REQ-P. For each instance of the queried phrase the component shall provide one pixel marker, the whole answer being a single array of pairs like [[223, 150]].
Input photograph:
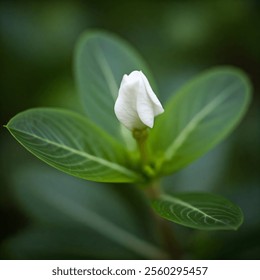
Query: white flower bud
[[137, 104]]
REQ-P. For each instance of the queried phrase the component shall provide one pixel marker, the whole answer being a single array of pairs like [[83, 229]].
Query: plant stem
[[170, 242], [140, 136], [153, 192]]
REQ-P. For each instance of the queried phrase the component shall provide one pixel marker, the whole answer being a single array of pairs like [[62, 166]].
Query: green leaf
[[101, 60], [198, 117], [48, 243], [115, 221], [72, 144], [199, 210]]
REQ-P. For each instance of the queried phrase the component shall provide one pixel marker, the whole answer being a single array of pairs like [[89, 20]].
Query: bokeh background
[[178, 39]]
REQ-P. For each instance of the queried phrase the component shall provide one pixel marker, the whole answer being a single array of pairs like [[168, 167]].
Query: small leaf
[[72, 144], [200, 211], [198, 117], [101, 60]]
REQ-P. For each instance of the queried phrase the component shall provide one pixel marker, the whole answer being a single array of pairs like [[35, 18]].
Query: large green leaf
[[198, 117], [72, 144], [115, 221], [101, 60], [41, 242], [199, 210]]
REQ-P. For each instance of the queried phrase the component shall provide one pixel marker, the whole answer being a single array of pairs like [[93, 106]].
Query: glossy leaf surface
[[199, 210], [72, 144], [198, 117]]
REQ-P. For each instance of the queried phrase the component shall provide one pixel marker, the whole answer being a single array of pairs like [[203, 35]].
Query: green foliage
[[72, 144], [198, 117], [98, 221], [97, 148], [199, 210], [101, 60]]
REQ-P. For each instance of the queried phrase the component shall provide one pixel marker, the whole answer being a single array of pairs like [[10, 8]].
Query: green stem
[[152, 190], [140, 136], [170, 242]]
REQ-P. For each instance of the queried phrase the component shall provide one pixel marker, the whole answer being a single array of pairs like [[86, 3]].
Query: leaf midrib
[[101, 161], [190, 206], [193, 123], [107, 72]]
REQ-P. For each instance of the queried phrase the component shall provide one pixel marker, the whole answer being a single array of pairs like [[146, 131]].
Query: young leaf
[[72, 144], [198, 117], [101, 60], [199, 210]]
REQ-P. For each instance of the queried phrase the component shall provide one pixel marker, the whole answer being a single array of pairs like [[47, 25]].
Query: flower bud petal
[[137, 104]]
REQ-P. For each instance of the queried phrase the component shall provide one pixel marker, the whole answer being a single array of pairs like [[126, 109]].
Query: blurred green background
[[46, 214]]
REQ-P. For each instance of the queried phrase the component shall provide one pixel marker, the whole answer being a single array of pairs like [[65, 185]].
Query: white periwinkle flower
[[137, 104]]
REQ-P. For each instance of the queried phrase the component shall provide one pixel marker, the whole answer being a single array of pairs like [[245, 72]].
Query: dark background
[[178, 39]]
